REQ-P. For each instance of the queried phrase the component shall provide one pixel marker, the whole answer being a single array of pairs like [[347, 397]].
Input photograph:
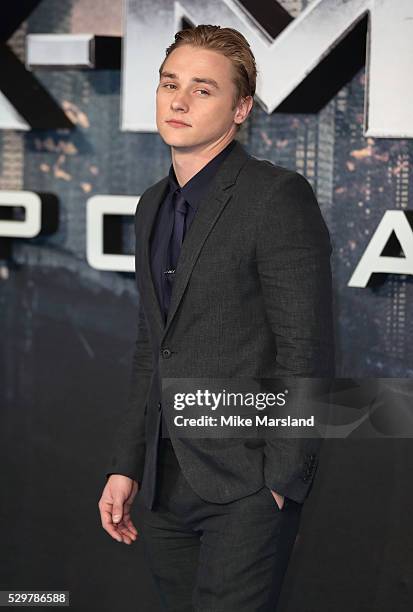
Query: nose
[[179, 101]]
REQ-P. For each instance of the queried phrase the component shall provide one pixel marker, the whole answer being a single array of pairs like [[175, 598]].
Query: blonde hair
[[230, 43]]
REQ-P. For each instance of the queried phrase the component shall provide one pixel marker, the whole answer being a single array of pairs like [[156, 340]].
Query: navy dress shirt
[[192, 191]]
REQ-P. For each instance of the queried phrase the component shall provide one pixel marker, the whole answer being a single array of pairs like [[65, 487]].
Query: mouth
[[176, 123]]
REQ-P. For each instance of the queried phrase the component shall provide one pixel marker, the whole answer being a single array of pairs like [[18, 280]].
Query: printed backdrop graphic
[[67, 332]]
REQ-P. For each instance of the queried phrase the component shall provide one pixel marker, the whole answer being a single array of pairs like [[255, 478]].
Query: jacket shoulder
[[151, 193], [267, 170], [155, 188], [271, 179]]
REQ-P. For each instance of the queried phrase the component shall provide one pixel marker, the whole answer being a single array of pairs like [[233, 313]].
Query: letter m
[[285, 61]]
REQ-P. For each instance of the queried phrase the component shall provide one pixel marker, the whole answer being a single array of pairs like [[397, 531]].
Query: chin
[[177, 140]]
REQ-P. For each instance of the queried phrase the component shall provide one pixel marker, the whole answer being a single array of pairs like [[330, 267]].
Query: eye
[[204, 92]]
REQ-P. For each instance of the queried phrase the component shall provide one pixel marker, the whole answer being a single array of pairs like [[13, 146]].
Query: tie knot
[[181, 205]]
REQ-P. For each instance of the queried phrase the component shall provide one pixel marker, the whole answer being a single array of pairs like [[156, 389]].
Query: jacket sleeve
[[293, 262], [128, 452]]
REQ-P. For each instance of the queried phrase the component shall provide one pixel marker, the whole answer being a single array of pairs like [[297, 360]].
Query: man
[[233, 273]]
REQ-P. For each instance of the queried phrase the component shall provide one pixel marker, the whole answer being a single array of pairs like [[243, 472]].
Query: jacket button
[[159, 405], [166, 353]]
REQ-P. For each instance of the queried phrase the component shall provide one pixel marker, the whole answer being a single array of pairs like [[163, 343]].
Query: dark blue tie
[[176, 240]]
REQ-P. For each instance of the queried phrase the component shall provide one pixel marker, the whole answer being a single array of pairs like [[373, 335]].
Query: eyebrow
[[208, 81]]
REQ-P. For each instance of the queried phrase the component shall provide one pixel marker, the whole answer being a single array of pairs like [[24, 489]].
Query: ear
[[244, 107]]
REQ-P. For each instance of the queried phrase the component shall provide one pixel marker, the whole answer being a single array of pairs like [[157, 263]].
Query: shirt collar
[[195, 187]]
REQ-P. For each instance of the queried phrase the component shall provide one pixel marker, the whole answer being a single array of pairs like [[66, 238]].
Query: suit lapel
[[210, 207]]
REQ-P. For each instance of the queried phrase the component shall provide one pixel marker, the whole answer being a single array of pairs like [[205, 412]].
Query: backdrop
[[67, 328]]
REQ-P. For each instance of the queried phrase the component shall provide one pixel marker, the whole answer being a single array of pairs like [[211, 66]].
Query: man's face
[[205, 105]]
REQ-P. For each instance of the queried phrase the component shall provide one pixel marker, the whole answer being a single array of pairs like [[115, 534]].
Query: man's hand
[[278, 498], [115, 505]]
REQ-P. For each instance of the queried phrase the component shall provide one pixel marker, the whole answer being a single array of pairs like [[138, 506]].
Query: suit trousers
[[213, 557]]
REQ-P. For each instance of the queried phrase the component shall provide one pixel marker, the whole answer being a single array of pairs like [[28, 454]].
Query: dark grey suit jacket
[[252, 297]]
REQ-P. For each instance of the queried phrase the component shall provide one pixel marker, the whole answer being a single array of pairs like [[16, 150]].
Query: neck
[[187, 161]]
